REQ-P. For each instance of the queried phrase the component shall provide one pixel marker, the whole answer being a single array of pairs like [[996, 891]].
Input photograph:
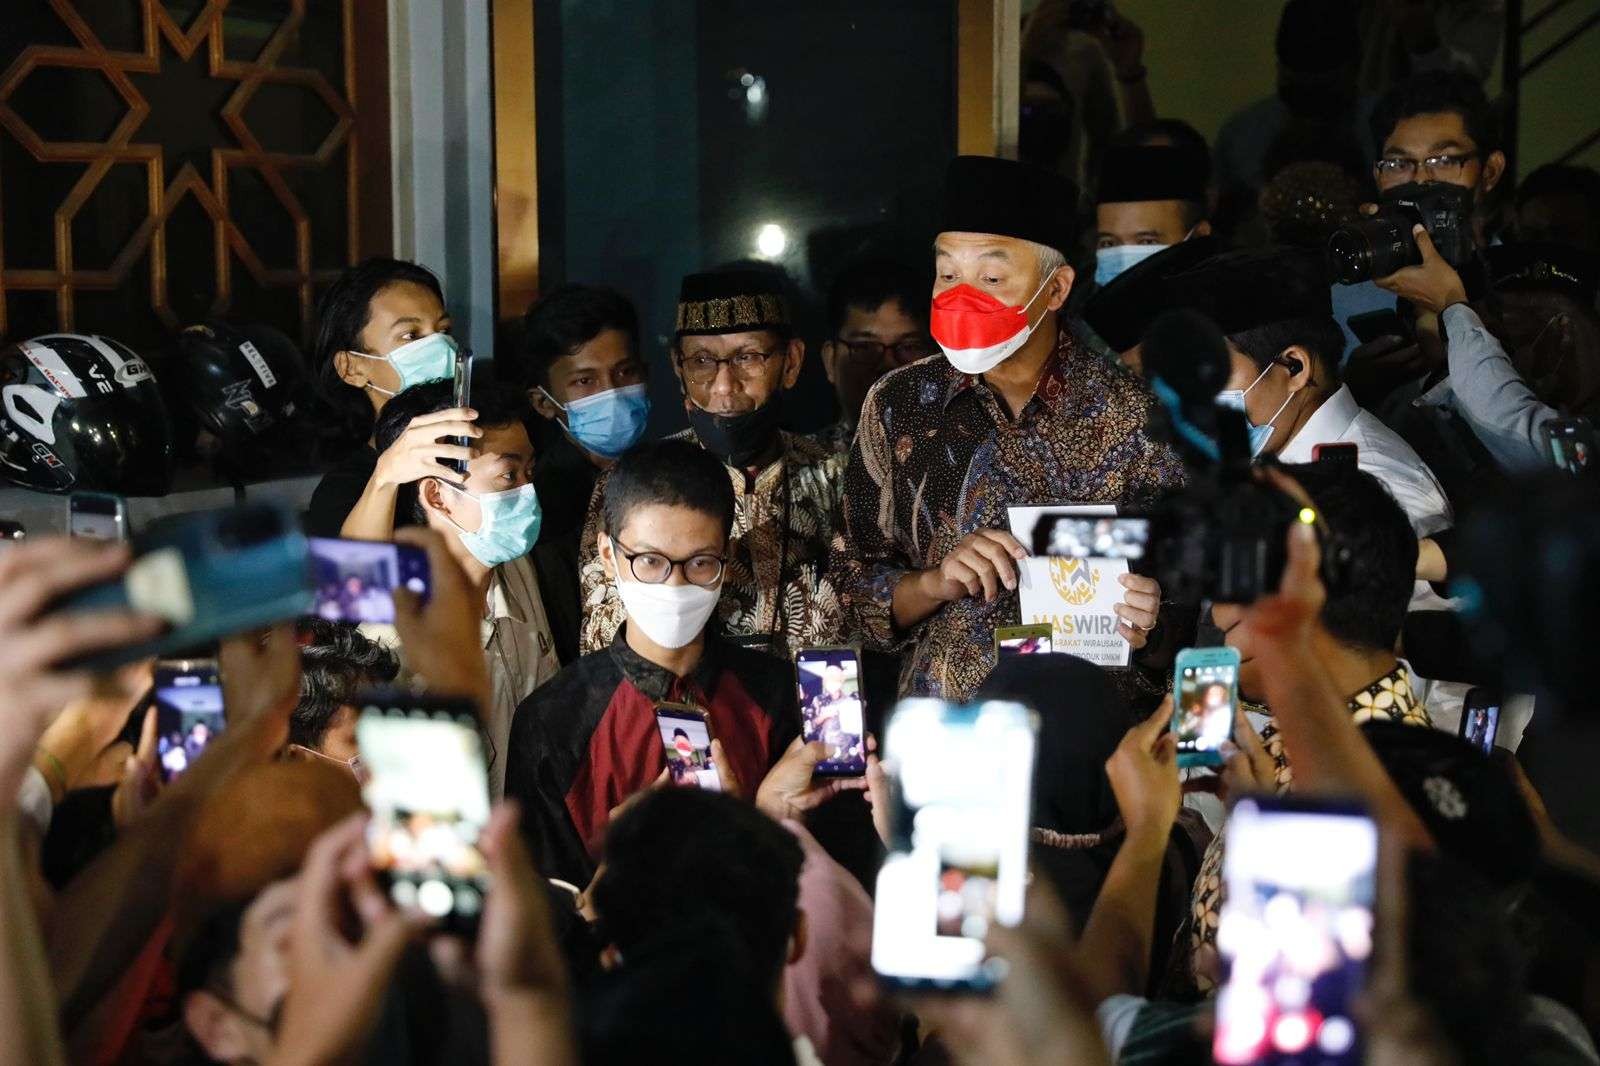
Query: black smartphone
[[428, 792], [1342, 452], [1480, 718], [686, 741], [187, 694], [832, 709], [1571, 442], [97, 516], [462, 397], [355, 579], [1296, 932]]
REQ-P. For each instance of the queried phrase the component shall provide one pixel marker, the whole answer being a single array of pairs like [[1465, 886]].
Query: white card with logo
[[1077, 597]]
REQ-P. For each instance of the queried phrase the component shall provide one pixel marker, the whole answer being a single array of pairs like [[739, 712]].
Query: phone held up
[[428, 792], [1480, 718], [1205, 694], [187, 694], [686, 741], [1571, 442], [355, 580], [462, 397], [961, 781], [832, 708], [97, 516], [1296, 932]]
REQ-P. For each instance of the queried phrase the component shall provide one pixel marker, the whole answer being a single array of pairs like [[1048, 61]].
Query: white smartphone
[[97, 515]]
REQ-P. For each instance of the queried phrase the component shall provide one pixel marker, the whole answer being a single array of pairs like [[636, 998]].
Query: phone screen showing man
[[189, 714], [687, 741], [1480, 720], [829, 681], [355, 579]]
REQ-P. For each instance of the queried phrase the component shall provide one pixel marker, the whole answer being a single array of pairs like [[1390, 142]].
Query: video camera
[[1224, 537], [1378, 246]]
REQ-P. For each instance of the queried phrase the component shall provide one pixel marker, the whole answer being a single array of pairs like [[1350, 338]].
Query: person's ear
[[352, 369], [608, 558], [798, 937], [1494, 168], [543, 405], [1201, 229], [432, 495], [793, 360], [830, 360], [214, 1027], [1059, 286], [1297, 362]]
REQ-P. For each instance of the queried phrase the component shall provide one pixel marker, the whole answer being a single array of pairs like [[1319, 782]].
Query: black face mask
[[738, 440]]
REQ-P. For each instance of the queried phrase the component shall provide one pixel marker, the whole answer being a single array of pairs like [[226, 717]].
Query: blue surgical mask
[[607, 423], [509, 526], [430, 358], [1259, 435], [1109, 262]]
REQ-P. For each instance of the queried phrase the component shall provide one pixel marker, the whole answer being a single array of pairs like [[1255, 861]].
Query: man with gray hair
[[1015, 412]]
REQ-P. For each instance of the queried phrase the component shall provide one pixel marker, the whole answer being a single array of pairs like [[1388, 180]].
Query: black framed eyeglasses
[[1443, 167], [872, 353], [653, 568], [748, 364]]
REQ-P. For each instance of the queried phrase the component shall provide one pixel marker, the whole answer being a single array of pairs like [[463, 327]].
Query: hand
[[418, 451], [336, 986], [878, 792], [1123, 41], [516, 941], [141, 781], [1144, 775], [1431, 563], [1284, 621], [1247, 768], [261, 677], [443, 638], [1139, 608], [33, 576], [1432, 286], [730, 779], [979, 565], [788, 790]]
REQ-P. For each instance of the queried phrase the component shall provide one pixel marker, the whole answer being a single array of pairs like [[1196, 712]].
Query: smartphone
[[686, 739], [1098, 537], [97, 515], [1480, 718], [961, 782], [355, 579], [1345, 453], [462, 397], [1205, 694], [1023, 640], [429, 797], [1296, 932], [832, 709], [187, 694], [1571, 442], [210, 574]]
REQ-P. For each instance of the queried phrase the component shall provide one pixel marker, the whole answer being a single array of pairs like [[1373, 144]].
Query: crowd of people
[[701, 892]]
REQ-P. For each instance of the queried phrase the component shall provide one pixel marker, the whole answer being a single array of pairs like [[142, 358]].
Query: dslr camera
[[1378, 246]]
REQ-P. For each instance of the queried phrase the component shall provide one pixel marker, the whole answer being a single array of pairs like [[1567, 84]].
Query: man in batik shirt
[[734, 356], [1014, 412]]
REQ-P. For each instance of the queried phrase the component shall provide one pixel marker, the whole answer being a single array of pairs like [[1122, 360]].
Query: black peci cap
[[1241, 291], [1138, 173], [1010, 199], [1539, 265], [731, 301], [1123, 309]]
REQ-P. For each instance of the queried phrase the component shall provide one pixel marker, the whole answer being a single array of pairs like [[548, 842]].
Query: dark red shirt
[[587, 739]]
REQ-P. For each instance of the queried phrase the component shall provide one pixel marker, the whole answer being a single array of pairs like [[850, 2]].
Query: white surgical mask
[[670, 615]]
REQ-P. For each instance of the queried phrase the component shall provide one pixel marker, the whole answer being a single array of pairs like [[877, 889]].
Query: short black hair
[[1434, 92], [562, 321], [343, 313], [1319, 335], [681, 852], [335, 664], [672, 472], [868, 284], [497, 407], [1173, 131], [1367, 600]]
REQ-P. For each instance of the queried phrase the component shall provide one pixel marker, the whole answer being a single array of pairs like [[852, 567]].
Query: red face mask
[[977, 331]]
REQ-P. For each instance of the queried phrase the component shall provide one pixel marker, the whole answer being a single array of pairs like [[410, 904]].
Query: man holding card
[[1015, 412]]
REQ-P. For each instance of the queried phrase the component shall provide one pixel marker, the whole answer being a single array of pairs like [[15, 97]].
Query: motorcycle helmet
[[80, 412], [241, 379]]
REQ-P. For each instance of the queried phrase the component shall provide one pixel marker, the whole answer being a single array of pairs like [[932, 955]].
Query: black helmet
[[82, 413], [241, 379]]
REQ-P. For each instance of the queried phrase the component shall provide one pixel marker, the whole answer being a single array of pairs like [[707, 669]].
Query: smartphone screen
[[462, 397], [1571, 443], [1480, 718], [1098, 537], [1023, 640], [831, 708], [97, 515], [355, 579], [1206, 696], [189, 713], [429, 796], [686, 738], [962, 781], [1296, 932]]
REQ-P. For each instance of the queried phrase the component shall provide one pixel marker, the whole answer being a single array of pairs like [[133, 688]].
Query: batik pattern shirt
[[937, 456], [775, 585]]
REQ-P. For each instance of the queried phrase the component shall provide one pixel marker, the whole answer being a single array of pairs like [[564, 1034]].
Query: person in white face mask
[[585, 742], [1150, 197]]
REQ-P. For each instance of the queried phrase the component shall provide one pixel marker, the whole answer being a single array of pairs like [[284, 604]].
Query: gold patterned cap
[[731, 301]]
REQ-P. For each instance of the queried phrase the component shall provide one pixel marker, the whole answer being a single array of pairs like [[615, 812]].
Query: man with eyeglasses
[[587, 740], [735, 355], [877, 314]]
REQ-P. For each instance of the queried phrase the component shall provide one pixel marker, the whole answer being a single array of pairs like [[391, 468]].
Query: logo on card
[[1075, 580]]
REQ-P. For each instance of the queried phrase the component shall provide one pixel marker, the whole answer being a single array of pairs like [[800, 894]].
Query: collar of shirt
[[1327, 424], [658, 683], [1050, 391], [510, 588]]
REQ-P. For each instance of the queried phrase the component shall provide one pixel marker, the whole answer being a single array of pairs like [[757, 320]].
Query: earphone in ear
[[1291, 363]]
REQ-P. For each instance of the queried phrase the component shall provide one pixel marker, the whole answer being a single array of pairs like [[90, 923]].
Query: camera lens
[[1372, 248]]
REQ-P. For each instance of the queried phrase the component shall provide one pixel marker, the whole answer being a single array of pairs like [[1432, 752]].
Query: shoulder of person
[[923, 381], [565, 700]]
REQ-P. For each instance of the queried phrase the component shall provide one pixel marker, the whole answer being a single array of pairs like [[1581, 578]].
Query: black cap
[[1010, 199], [731, 301], [1241, 291], [1123, 309], [1141, 172], [1543, 265]]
